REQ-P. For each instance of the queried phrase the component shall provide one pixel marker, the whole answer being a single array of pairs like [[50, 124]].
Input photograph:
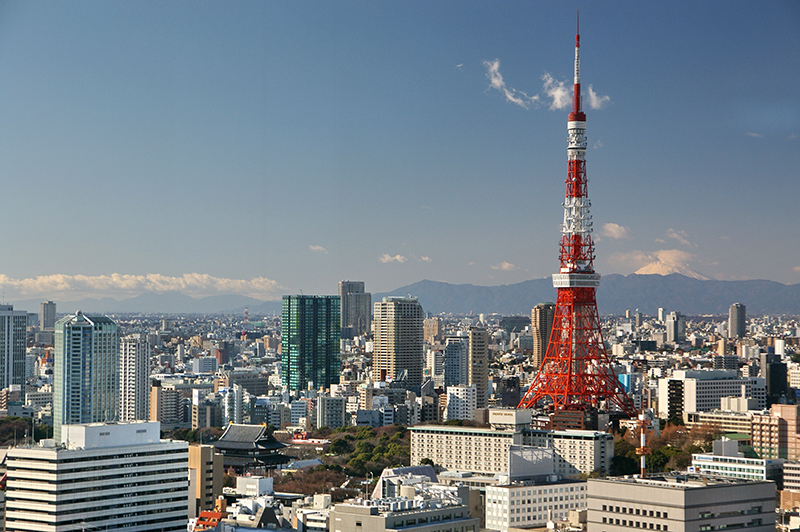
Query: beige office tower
[[541, 325], [432, 330], [479, 364], [398, 347]]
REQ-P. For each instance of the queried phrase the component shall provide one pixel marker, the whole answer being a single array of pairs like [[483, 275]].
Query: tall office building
[[47, 316], [398, 346], [456, 361], [737, 327], [479, 364], [134, 378], [13, 327], [310, 356], [541, 325], [356, 309], [85, 381], [676, 327], [432, 329]]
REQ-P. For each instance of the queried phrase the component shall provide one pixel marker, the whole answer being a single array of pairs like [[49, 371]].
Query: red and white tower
[[576, 372]]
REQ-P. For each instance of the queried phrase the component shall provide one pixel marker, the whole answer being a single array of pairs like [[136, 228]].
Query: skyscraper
[[541, 325], [134, 378], [737, 327], [85, 381], [456, 361], [676, 327], [398, 347], [47, 316], [310, 353], [13, 326], [479, 365], [356, 308]]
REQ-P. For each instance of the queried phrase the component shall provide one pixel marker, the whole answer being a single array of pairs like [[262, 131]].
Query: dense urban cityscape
[[347, 412]]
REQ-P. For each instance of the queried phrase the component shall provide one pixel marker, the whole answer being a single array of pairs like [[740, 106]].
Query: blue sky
[[271, 147]]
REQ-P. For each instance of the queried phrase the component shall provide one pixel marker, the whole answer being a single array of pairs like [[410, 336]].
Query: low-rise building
[[680, 503], [527, 505]]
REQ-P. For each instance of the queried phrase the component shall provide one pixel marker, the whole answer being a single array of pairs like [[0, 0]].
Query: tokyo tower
[[576, 373]]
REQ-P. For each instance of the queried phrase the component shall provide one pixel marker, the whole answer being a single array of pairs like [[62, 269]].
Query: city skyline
[[358, 141]]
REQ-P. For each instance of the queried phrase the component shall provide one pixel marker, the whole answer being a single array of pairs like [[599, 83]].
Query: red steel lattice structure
[[576, 372]]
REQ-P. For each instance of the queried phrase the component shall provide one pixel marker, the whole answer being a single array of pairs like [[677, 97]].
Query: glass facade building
[[311, 330]]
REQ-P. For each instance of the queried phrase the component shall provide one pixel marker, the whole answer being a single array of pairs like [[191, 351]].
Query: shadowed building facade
[[310, 353]]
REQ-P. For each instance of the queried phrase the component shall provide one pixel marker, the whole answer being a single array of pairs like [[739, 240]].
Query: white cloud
[[797, 269], [514, 96], [680, 236], [612, 230], [425, 259], [597, 145], [505, 266], [61, 286], [756, 135], [596, 101], [386, 258], [317, 249], [557, 91], [792, 136], [458, 66]]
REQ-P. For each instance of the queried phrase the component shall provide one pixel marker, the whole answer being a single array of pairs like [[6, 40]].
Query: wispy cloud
[[595, 100], [612, 230], [386, 258], [317, 249], [756, 135], [505, 266], [797, 269], [71, 287], [557, 91], [597, 145], [425, 258], [459, 66], [512, 95], [680, 236], [792, 136]]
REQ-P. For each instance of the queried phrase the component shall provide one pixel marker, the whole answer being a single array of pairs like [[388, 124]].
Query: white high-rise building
[[134, 378], [456, 361], [13, 327], [231, 404], [399, 350], [85, 380], [103, 477], [461, 402]]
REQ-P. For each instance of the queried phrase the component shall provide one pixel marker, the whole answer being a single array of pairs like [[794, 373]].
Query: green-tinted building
[[311, 331]]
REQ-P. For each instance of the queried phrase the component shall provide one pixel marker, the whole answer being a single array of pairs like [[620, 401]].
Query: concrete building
[[398, 352], [85, 379], [103, 477], [232, 404], [479, 364], [737, 321], [461, 402], [776, 433], [529, 505], [204, 365], [702, 391], [207, 463], [486, 450], [356, 309], [726, 461], [47, 315], [456, 361], [433, 330], [541, 325], [676, 327], [134, 378], [13, 327], [420, 508], [679, 503], [331, 412], [166, 404]]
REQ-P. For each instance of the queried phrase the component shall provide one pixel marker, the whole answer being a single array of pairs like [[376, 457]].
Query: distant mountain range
[[616, 294]]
